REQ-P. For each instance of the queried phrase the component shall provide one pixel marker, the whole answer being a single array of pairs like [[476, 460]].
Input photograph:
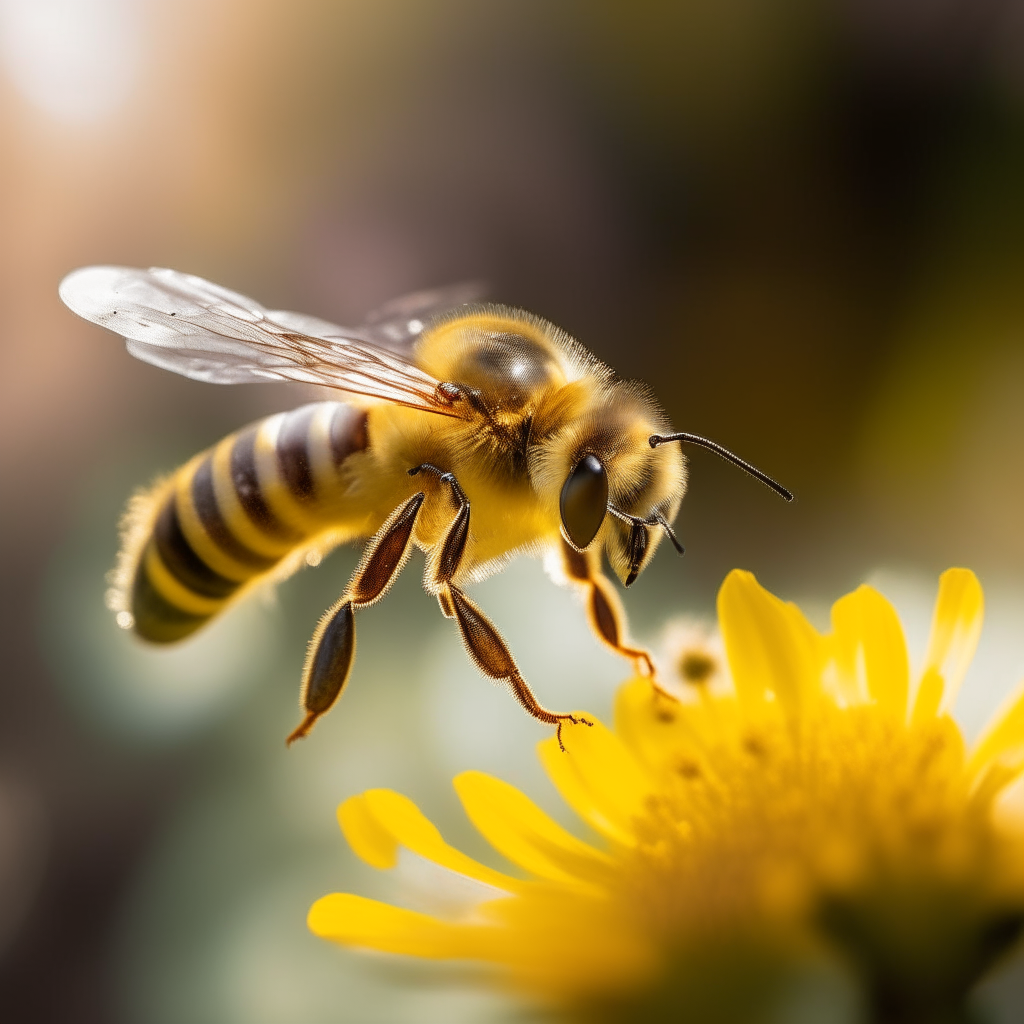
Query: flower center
[[768, 825], [696, 667]]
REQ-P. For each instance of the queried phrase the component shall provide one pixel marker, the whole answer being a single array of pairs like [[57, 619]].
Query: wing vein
[[203, 331]]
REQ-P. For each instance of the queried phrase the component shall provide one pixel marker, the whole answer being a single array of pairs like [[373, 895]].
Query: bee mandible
[[474, 432]]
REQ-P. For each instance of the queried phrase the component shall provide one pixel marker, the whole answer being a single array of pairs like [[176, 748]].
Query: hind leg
[[333, 647]]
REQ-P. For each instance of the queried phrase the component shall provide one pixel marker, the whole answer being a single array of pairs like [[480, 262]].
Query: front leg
[[604, 610], [333, 647], [483, 642]]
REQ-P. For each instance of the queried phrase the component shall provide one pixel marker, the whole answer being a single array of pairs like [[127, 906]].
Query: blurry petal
[[769, 644], [657, 731], [648, 723], [867, 636], [430, 888], [517, 828], [995, 776], [564, 943], [368, 840], [385, 816], [1005, 732], [956, 627], [357, 921], [929, 697], [598, 777]]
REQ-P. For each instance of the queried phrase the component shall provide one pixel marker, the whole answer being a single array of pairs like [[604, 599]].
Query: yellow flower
[[823, 811]]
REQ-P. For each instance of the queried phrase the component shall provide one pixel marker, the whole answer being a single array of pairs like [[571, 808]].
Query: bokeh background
[[802, 223]]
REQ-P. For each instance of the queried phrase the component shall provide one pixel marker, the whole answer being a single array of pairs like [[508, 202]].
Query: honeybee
[[474, 432]]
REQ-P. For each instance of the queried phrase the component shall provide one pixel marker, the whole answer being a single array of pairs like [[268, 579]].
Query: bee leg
[[333, 647], [443, 566], [492, 656], [483, 642], [605, 613]]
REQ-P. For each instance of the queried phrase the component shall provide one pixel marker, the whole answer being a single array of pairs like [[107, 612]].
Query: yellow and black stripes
[[213, 522], [231, 514]]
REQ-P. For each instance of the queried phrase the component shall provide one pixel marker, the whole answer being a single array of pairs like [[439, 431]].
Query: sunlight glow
[[76, 60]]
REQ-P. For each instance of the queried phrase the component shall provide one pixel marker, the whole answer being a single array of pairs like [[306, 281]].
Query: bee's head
[[597, 472]]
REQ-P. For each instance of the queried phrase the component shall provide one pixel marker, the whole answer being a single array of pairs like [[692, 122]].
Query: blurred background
[[802, 223]]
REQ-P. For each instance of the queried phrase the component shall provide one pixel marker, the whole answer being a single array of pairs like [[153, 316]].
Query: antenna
[[657, 439]]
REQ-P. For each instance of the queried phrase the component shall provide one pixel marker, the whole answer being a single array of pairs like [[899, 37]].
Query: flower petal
[[369, 841], [867, 637], [1004, 733], [646, 724], [929, 697], [956, 627], [598, 777], [567, 945], [659, 732], [357, 921], [771, 647], [434, 889], [995, 777], [517, 828], [385, 816]]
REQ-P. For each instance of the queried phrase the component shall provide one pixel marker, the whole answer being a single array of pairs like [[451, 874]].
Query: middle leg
[[483, 642]]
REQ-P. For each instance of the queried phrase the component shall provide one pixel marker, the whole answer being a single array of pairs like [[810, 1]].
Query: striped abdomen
[[235, 511]]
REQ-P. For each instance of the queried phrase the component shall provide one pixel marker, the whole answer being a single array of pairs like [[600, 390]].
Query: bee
[[474, 432]]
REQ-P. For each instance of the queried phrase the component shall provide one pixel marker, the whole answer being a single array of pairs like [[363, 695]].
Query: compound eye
[[584, 501]]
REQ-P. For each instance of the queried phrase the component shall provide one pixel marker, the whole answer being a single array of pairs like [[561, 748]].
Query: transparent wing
[[193, 327], [398, 323]]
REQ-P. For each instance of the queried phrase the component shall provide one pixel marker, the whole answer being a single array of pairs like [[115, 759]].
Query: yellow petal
[[1005, 732], [929, 697], [956, 627], [571, 946], [517, 828], [381, 820], [649, 724], [995, 777], [868, 645], [659, 732], [771, 647], [357, 921], [369, 841], [598, 778]]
